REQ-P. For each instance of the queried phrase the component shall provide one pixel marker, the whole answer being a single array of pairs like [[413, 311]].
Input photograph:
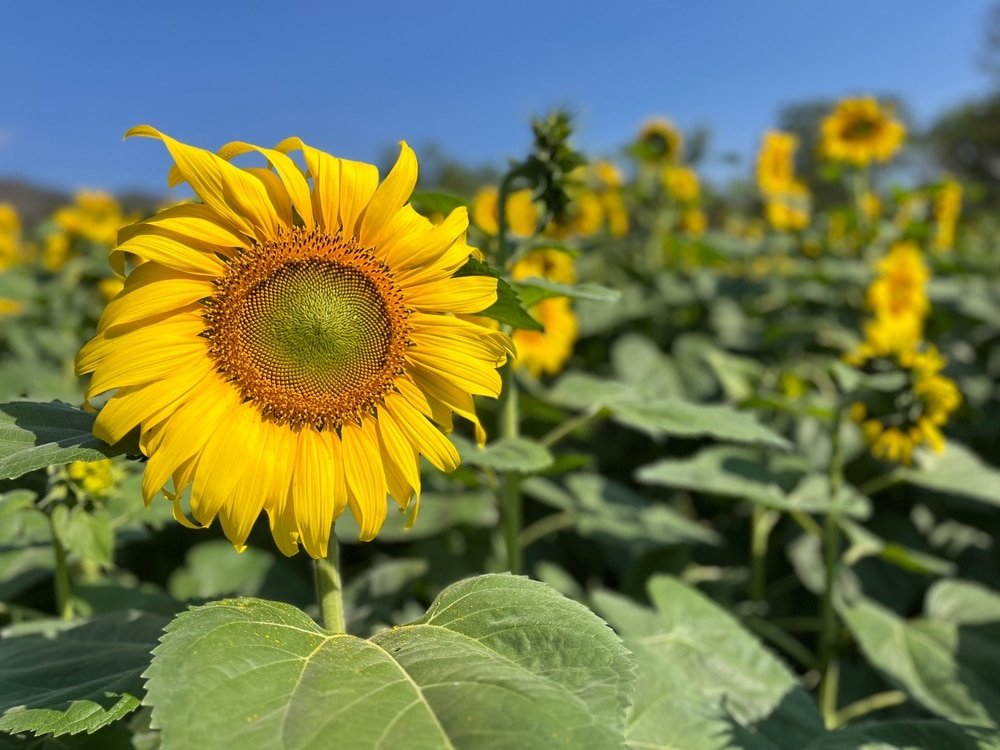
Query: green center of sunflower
[[310, 327], [860, 130], [316, 327]]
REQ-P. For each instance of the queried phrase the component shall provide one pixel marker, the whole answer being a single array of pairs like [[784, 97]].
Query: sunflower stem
[[63, 580], [329, 590], [511, 510], [830, 625]]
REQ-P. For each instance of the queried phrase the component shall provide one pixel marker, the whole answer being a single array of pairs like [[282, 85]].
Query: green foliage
[[489, 649], [59, 678], [34, 436]]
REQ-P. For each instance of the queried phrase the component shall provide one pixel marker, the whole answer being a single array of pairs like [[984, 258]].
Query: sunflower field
[[588, 457]]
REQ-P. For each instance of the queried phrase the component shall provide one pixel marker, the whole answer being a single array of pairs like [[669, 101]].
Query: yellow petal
[[194, 221], [467, 294], [236, 196], [358, 182], [389, 198], [424, 436], [159, 246], [365, 478], [152, 290], [313, 491], [294, 182]]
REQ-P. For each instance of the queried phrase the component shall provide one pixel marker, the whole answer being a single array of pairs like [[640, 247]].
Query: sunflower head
[[681, 183], [292, 344], [659, 141], [776, 162], [860, 131], [910, 411]]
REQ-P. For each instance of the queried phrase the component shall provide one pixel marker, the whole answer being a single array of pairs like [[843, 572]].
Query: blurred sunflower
[[95, 478], [286, 347], [860, 131], [10, 236], [693, 222], [776, 162], [947, 207], [659, 141], [790, 209], [895, 423], [547, 352], [522, 213], [681, 183]]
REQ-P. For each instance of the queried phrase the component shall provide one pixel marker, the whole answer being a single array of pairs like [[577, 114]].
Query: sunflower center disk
[[310, 327], [316, 327]]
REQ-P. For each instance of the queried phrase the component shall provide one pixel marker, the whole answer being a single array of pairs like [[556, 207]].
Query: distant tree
[[966, 140]]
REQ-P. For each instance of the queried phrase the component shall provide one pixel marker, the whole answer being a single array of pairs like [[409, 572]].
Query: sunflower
[[776, 162], [790, 209], [10, 235], [681, 183], [947, 207], [860, 131], [522, 213], [287, 346], [659, 141], [900, 286], [897, 422], [546, 352]]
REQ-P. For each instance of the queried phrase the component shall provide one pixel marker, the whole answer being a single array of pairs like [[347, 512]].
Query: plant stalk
[[830, 625], [63, 579], [329, 589]]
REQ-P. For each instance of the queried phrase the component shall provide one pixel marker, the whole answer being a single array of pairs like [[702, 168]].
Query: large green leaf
[[949, 668], [909, 735], [508, 308], [962, 602], [36, 435], [956, 471], [506, 454], [77, 679], [606, 509], [498, 661], [658, 417], [533, 290], [705, 683], [781, 482]]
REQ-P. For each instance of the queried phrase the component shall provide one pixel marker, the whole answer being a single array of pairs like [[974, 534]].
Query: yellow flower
[[586, 214], [947, 207], [776, 162], [788, 210], [10, 308], [94, 216], [286, 346], [617, 213], [659, 141], [522, 214], [860, 131], [96, 478], [10, 236], [899, 289], [55, 251], [546, 352], [694, 222], [607, 174], [871, 206], [681, 183], [895, 424]]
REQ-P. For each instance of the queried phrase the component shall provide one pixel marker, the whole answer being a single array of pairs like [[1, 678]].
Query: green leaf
[[213, 569], [534, 290], [909, 734], [428, 202], [75, 679], [498, 661], [704, 678], [950, 669], [962, 602], [780, 482], [688, 419], [579, 390], [864, 543], [606, 509], [36, 435], [956, 471], [506, 454], [508, 308], [85, 533]]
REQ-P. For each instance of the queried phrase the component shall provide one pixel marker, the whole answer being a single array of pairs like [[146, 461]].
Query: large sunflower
[[860, 131], [287, 347]]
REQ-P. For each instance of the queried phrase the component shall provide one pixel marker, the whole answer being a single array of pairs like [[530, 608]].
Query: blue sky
[[354, 78]]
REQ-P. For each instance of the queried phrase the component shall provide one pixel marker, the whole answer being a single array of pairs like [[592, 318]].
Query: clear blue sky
[[356, 77]]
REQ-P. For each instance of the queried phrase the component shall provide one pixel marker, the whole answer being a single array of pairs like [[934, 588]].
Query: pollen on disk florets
[[310, 327]]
